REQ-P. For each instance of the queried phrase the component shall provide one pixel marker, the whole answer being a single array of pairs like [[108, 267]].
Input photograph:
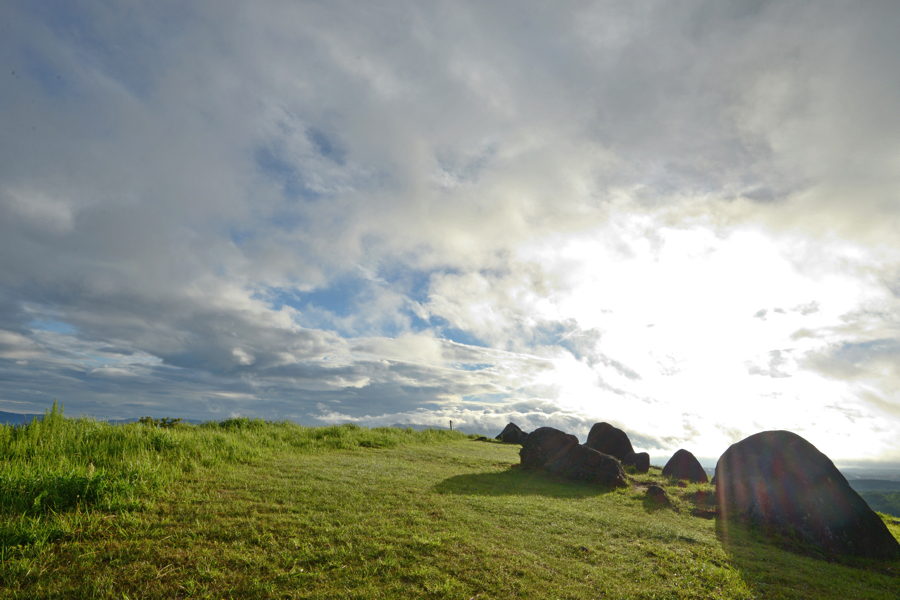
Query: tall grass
[[56, 465]]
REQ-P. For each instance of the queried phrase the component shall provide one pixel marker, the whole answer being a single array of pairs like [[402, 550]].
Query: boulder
[[609, 440], [779, 480], [511, 434], [639, 460], [544, 445], [684, 465], [560, 453], [581, 463]]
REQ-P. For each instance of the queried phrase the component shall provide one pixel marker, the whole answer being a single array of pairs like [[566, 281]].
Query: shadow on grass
[[518, 482], [771, 562], [653, 505]]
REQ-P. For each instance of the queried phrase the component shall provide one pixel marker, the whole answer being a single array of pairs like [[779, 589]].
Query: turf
[[347, 512]]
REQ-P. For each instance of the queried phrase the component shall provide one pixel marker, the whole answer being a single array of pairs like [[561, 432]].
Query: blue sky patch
[[459, 336], [239, 236], [276, 167], [864, 351], [137, 69], [327, 146], [472, 366], [340, 298], [51, 325], [42, 69]]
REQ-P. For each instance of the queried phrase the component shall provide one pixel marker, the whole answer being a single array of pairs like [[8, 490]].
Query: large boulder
[[560, 453], [609, 440], [779, 480], [512, 434], [684, 465], [639, 460], [581, 463], [545, 445]]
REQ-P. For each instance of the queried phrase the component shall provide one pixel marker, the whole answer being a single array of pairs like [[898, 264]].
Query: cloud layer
[[679, 217]]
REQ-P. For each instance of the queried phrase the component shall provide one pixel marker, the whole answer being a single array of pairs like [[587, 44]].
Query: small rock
[[657, 494], [639, 460], [512, 434], [684, 465]]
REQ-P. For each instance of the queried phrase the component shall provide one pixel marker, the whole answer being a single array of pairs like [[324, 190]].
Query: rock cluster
[[559, 453], [774, 479]]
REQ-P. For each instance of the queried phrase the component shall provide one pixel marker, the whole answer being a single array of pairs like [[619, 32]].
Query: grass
[[247, 509]]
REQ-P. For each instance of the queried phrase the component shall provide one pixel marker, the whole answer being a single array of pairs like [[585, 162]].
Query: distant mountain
[[22, 418], [886, 502], [417, 426], [887, 471], [874, 485], [18, 418], [420, 427]]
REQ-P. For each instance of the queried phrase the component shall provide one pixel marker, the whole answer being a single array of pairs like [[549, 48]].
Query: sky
[[681, 218]]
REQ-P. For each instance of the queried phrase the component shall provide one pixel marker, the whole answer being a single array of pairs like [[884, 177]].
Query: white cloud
[[16, 346], [41, 211], [301, 204]]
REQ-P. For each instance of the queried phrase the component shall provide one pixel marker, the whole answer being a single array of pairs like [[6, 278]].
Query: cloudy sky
[[682, 218]]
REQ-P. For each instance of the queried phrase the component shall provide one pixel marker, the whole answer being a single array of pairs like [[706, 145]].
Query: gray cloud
[[873, 359], [778, 360]]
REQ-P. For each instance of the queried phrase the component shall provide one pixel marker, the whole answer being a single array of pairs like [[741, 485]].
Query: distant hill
[[21, 418], [18, 418], [874, 485], [416, 426], [885, 502]]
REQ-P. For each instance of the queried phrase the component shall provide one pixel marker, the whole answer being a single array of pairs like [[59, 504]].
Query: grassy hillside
[[274, 510]]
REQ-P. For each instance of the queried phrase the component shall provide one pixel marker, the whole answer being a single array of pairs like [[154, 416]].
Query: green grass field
[[248, 509]]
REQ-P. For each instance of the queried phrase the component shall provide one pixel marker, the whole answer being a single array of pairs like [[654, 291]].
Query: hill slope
[[385, 514]]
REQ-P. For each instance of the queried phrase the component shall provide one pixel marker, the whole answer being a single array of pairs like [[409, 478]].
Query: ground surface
[[452, 520]]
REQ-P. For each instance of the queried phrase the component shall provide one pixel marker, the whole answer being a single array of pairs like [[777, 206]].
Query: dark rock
[[779, 480], [545, 445], [609, 440], [657, 494], [560, 453], [581, 463], [511, 434], [684, 465], [639, 460]]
